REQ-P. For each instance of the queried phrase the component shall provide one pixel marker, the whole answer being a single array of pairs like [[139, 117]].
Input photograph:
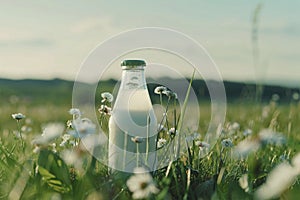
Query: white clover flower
[[18, 116], [245, 147], [243, 181], [172, 132], [75, 111], [202, 145], [161, 142], [281, 178], [104, 109], [268, 136], [227, 143], [50, 132], [141, 184], [247, 132], [82, 128], [106, 96], [137, 139], [159, 89]]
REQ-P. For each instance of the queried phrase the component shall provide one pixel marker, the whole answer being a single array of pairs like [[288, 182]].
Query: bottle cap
[[130, 64]]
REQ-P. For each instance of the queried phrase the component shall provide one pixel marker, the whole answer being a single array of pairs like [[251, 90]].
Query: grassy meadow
[[255, 157]]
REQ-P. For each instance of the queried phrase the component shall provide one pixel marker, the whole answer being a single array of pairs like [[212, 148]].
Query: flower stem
[[137, 155], [21, 137]]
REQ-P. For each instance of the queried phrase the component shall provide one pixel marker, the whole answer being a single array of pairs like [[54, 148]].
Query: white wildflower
[[50, 132], [172, 132], [82, 128], [234, 127], [268, 136], [36, 149], [54, 147], [90, 142], [106, 96], [227, 143], [193, 137], [161, 128], [170, 94], [279, 180], [18, 116], [243, 181], [104, 109], [141, 184], [72, 158], [159, 89], [245, 147], [75, 111], [202, 145], [137, 139], [161, 142], [26, 129], [66, 138], [247, 132]]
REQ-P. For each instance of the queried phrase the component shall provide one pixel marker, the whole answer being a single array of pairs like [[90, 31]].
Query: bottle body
[[132, 125]]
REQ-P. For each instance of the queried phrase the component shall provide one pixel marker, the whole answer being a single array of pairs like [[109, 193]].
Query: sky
[[51, 39]]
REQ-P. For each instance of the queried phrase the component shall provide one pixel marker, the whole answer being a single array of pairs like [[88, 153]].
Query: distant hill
[[58, 91]]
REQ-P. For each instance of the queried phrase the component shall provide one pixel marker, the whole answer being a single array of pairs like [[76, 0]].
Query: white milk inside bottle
[[133, 125]]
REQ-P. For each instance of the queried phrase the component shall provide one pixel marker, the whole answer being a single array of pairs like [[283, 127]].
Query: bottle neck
[[133, 79]]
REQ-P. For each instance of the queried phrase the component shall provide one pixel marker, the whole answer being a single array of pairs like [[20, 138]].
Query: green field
[[220, 174]]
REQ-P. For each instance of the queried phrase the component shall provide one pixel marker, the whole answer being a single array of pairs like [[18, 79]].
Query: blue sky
[[47, 39]]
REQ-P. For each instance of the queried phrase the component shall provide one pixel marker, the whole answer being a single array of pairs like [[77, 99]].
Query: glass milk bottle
[[132, 125]]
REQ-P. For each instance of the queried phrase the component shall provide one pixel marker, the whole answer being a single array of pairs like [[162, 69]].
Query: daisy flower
[[106, 96], [75, 111], [82, 128], [18, 116], [172, 132], [160, 89], [227, 143], [137, 139], [141, 184], [161, 142]]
